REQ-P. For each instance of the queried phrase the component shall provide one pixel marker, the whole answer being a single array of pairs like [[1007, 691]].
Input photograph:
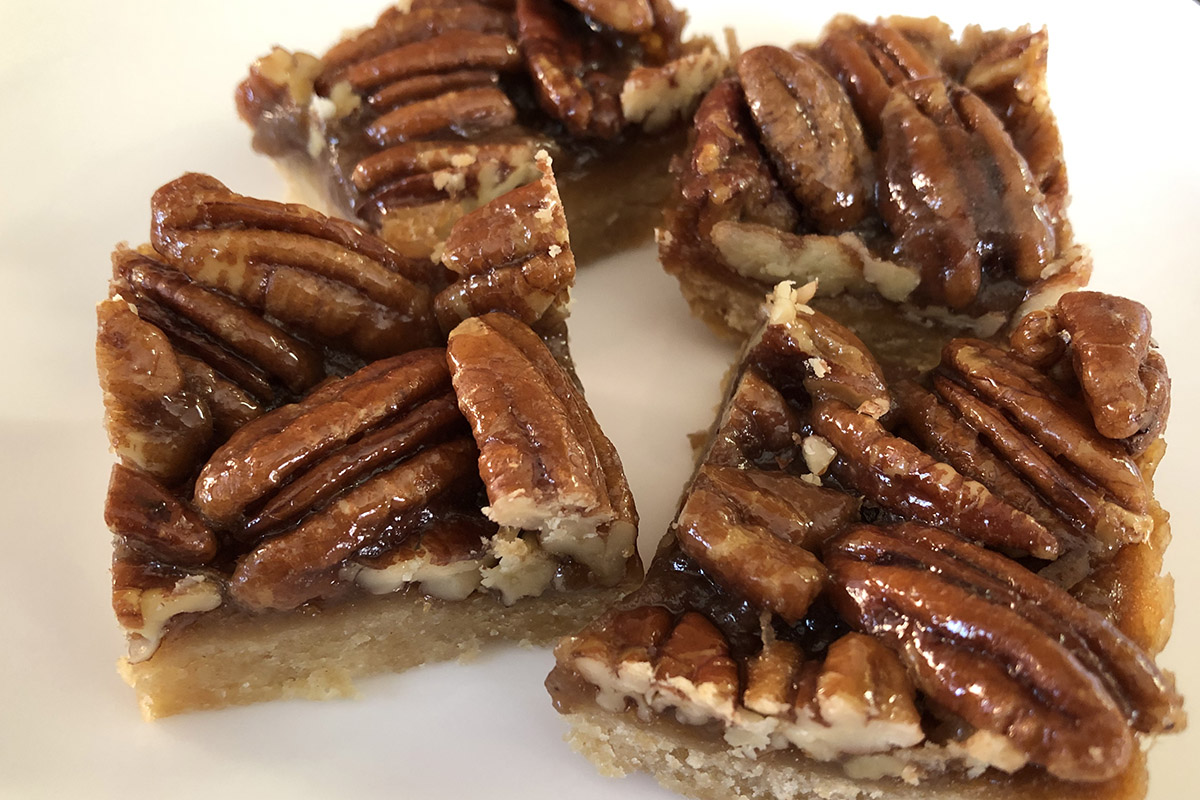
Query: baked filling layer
[[304, 419], [440, 106]]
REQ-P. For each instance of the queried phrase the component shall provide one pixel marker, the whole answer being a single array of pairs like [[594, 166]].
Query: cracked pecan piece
[[438, 108]]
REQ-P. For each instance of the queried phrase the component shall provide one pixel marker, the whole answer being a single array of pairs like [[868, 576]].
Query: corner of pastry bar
[[439, 107], [944, 584], [336, 460]]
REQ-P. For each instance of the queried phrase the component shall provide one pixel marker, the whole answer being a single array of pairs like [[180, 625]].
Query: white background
[[103, 102]]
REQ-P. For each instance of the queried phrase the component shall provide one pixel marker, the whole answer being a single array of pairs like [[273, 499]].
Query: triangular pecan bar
[[944, 584]]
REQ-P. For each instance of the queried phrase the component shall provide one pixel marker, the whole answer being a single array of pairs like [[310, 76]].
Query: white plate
[[103, 102]]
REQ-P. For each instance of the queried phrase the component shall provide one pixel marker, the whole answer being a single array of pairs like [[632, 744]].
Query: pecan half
[[868, 60], [154, 419], [695, 654], [277, 447], [288, 570], [627, 16], [1010, 76], [545, 462], [754, 530], [570, 83], [154, 521], [1124, 381], [321, 276], [511, 255], [1060, 681], [456, 49], [758, 427], [900, 477], [956, 194], [466, 113], [397, 28], [811, 132]]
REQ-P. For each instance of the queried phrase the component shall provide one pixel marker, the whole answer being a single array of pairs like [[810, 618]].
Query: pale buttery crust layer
[[226, 659], [696, 760]]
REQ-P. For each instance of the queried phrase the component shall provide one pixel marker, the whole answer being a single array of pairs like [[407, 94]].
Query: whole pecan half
[[956, 194], [294, 567], [155, 420], [899, 476], [545, 462], [278, 447], [810, 130], [155, 522], [570, 81], [320, 276], [1123, 378], [1005, 650], [868, 59]]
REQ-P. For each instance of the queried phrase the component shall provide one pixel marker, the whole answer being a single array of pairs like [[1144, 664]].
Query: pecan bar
[[888, 582], [441, 104], [893, 163], [335, 460]]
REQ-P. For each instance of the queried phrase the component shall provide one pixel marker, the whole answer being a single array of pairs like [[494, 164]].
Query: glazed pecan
[[811, 132], [414, 173], [758, 427], [569, 78], [543, 458], [289, 569], [155, 421], [802, 346], [320, 276], [154, 522], [955, 193], [279, 447], [466, 112], [754, 532], [627, 16], [1003, 649], [696, 654], [899, 476], [1124, 381], [455, 49], [727, 176], [868, 60], [397, 28], [511, 255], [1010, 75]]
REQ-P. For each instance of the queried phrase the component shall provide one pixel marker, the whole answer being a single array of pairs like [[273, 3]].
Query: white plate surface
[[103, 102]]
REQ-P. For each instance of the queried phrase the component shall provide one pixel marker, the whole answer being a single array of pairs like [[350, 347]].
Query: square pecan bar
[[334, 460], [441, 104]]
